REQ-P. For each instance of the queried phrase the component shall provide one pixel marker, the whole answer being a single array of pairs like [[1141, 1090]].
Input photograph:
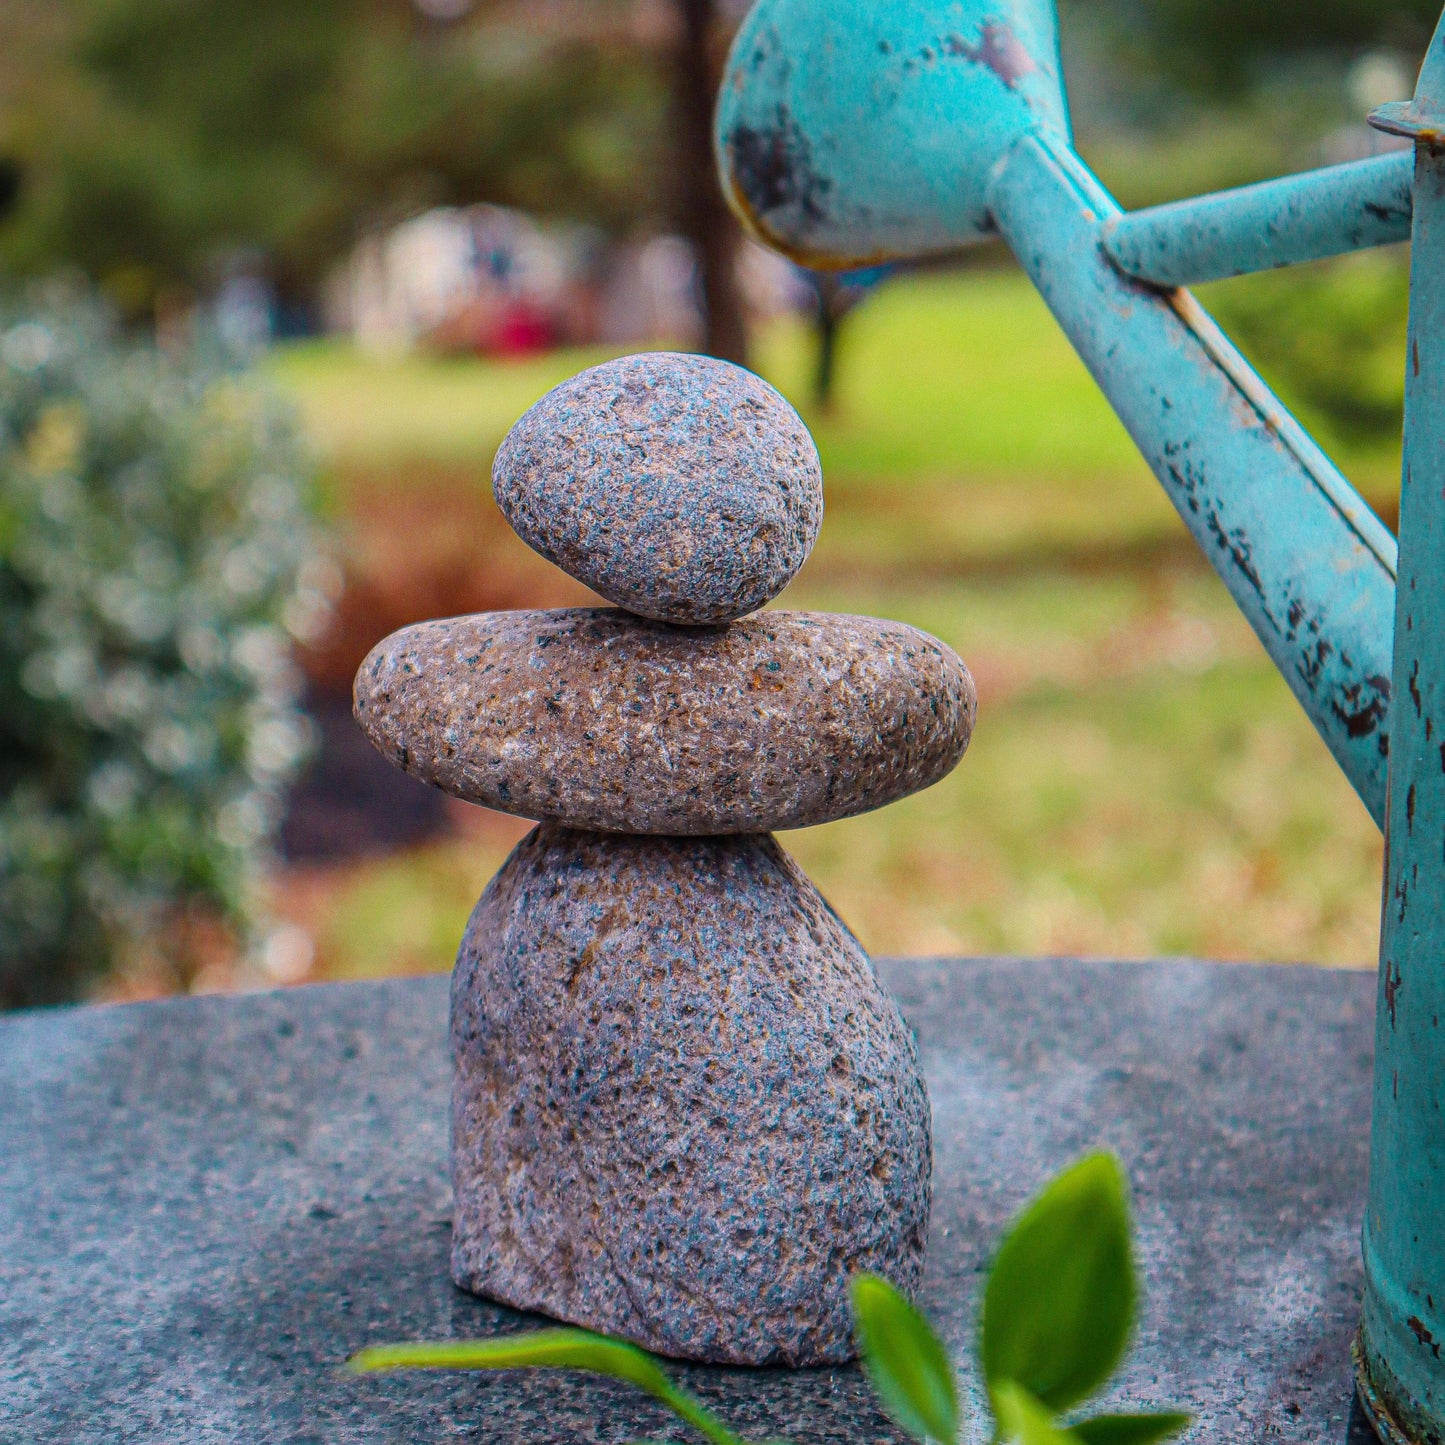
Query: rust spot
[[1393, 985], [1313, 659], [999, 49], [1415, 687], [773, 168], [1418, 1329], [1415, 355], [1241, 552], [773, 184], [1364, 706], [814, 258], [1410, 809]]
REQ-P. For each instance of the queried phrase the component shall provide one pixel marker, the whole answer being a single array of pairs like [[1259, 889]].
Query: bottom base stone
[[683, 1111]]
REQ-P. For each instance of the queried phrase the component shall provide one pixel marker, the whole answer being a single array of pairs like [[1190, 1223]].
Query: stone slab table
[[207, 1204]]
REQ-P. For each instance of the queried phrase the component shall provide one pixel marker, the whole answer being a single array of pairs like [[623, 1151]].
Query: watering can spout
[[861, 131]]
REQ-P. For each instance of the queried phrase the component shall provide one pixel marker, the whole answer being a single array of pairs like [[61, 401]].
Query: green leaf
[[1023, 1418], [549, 1350], [907, 1365], [1131, 1429], [1060, 1297]]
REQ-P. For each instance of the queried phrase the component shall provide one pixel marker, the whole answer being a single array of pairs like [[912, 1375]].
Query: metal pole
[[1275, 223], [1402, 1338], [1309, 564]]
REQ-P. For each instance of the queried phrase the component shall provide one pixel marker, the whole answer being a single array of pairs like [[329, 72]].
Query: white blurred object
[[451, 276], [408, 280], [772, 285], [1377, 77], [405, 284], [651, 295], [288, 953]]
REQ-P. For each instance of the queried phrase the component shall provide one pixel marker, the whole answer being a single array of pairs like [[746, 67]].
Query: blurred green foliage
[[156, 143], [1220, 45], [154, 546], [155, 138], [152, 142], [1332, 335]]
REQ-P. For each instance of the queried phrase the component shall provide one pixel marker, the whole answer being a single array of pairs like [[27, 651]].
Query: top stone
[[681, 488]]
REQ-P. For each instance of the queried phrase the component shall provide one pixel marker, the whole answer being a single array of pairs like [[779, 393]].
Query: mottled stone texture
[[680, 487], [684, 1110], [597, 719]]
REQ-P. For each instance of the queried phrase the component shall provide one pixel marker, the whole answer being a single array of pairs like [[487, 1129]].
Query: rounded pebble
[[682, 488], [684, 1110], [593, 718]]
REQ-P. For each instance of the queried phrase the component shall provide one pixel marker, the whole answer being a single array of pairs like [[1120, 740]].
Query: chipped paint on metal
[[1404, 1243], [840, 144], [1275, 223], [1376, 1410], [999, 49], [1405, 118], [1309, 564], [854, 133]]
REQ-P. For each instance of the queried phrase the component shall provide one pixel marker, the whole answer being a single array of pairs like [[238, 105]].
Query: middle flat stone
[[594, 718]]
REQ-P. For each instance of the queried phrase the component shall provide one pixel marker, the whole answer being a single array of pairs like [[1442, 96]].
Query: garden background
[[1140, 783]]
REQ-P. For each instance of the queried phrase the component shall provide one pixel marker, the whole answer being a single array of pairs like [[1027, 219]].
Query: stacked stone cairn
[[684, 1111]]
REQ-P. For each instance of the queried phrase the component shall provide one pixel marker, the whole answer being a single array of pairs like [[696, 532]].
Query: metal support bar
[[1276, 223], [1403, 1334], [1307, 561]]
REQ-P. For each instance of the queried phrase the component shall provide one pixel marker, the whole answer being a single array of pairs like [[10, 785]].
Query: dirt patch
[[424, 541], [427, 541]]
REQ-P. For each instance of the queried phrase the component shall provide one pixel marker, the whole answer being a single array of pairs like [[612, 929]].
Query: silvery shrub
[[158, 558]]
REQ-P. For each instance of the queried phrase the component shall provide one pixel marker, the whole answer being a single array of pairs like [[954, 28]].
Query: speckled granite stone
[[684, 1110], [680, 487], [597, 719]]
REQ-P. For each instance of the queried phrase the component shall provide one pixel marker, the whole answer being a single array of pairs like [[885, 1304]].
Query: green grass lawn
[[1141, 781]]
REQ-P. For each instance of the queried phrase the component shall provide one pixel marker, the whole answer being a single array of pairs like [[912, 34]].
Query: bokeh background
[[277, 278]]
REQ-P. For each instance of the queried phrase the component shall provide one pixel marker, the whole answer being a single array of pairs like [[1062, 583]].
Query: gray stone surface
[[680, 487], [206, 1205], [594, 718], [685, 1112]]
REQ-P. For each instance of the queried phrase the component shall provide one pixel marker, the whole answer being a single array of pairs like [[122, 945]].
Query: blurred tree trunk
[[837, 295], [702, 215], [829, 315]]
